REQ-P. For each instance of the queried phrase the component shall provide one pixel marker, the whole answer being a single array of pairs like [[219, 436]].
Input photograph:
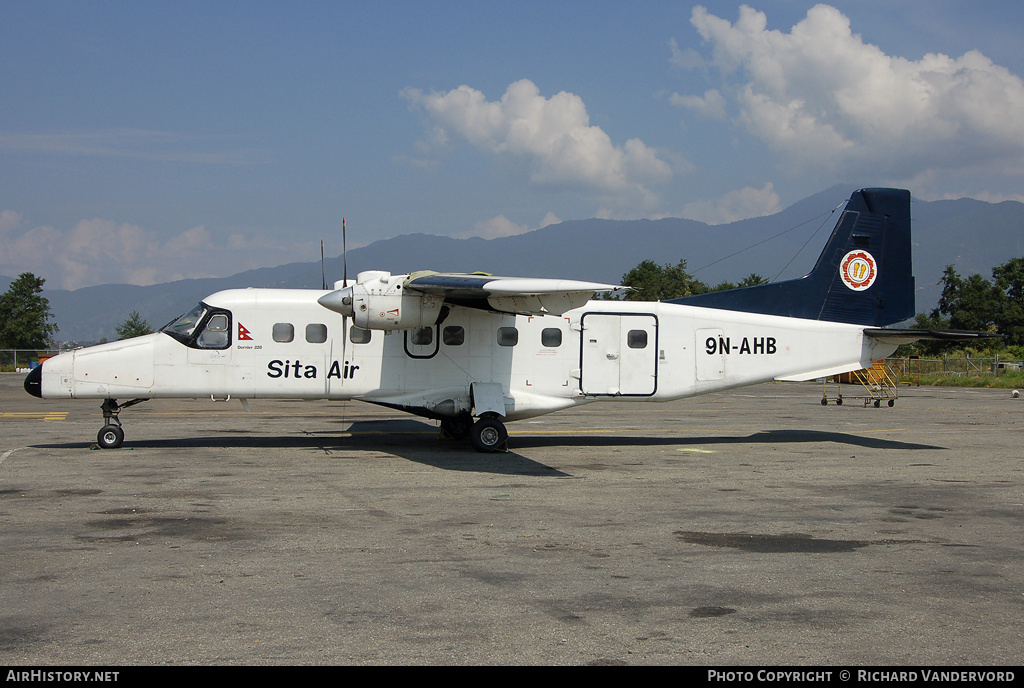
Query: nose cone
[[339, 301], [34, 381]]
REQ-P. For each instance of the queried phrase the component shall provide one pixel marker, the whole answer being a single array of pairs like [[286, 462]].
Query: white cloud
[[550, 219], [684, 59], [99, 251], [501, 226], [550, 138], [823, 97], [710, 105], [735, 205]]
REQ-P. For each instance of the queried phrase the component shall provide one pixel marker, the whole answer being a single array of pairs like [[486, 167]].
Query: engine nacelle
[[378, 301]]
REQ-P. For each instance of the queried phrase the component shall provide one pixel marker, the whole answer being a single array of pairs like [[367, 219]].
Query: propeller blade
[[344, 283]]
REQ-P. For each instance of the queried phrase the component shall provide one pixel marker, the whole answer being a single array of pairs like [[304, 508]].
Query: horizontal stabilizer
[[908, 336]]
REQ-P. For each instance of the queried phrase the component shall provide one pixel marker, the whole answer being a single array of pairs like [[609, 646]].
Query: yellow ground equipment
[[876, 384]]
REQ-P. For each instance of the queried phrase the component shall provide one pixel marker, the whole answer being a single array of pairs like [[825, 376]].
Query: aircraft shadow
[[418, 442], [413, 440], [761, 437]]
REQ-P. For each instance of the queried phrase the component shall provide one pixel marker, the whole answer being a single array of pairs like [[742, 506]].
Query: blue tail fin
[[864, 276]]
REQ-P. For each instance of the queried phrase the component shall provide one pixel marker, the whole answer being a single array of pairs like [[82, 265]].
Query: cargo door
[[618, 354]]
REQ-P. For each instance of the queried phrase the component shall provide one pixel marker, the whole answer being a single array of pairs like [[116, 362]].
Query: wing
[[523, 295]]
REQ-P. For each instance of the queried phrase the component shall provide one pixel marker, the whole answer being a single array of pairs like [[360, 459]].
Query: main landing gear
[[488, 434], [112, 435]]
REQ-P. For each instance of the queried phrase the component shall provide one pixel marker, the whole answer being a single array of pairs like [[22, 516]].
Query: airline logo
[[243, 334], [858, 270]]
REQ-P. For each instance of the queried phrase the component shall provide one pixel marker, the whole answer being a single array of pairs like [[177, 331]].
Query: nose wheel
[[111, 435]]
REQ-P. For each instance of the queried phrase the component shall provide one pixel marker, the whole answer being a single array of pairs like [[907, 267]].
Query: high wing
[[380, 300], [521, 295]]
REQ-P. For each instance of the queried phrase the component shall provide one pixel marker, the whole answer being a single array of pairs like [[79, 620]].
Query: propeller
[[344, 284], [339, 300]]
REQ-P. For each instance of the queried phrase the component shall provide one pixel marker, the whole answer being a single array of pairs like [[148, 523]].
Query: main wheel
[[488, 435], [110, 437]]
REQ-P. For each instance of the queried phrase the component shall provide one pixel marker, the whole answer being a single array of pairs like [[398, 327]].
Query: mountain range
[[973, 235]]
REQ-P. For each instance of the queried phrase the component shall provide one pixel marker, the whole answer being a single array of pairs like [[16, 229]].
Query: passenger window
[[422, 336], [551, 336], [453, 335], [215, 334], [636, 339], [283, 332], [358, 335], [316, 333], [508, 336]]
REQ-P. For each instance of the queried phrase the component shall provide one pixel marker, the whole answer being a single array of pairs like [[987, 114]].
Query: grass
[[1005, 380]]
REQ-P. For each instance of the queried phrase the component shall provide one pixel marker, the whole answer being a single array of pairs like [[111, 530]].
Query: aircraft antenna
[[323, 273], [808, 241], [826, 216]]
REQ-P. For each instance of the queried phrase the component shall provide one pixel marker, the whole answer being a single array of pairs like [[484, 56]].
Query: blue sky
[[145, 142]]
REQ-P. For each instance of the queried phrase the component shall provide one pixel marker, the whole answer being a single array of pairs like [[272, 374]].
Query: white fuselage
[[284, 344]]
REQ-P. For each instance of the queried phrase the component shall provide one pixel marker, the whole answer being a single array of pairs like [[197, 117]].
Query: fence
[[22, 359], [911, 367]]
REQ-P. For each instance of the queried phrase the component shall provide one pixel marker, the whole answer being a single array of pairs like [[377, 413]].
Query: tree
[[928, 347], [971, 304], [652, 282], [133, 326], [751, 280], [25, 315], [1009, 319]]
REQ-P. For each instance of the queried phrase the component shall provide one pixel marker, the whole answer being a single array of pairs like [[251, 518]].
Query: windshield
[[182, 327], [202, 328]]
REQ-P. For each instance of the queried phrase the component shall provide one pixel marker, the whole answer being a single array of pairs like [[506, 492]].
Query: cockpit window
[[202, 328], [215, 332], [185, 324]]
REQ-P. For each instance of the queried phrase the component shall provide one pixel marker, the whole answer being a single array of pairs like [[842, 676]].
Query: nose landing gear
[[112, 435]]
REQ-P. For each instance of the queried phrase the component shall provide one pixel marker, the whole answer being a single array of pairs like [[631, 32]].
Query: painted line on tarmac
[[40, 415], [4, 456]]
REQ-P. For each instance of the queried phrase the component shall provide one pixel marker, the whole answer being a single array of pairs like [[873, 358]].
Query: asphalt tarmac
[[750, 527]]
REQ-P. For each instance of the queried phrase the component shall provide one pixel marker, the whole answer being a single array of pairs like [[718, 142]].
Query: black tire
[[839, 401], [488, 435], [824, 402], [892, 402], [457, 428], [110, 437]]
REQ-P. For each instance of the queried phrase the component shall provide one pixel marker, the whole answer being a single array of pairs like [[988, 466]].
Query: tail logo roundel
[[858, 270]]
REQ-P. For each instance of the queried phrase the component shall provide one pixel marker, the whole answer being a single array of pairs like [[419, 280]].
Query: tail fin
[[864, 276]]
